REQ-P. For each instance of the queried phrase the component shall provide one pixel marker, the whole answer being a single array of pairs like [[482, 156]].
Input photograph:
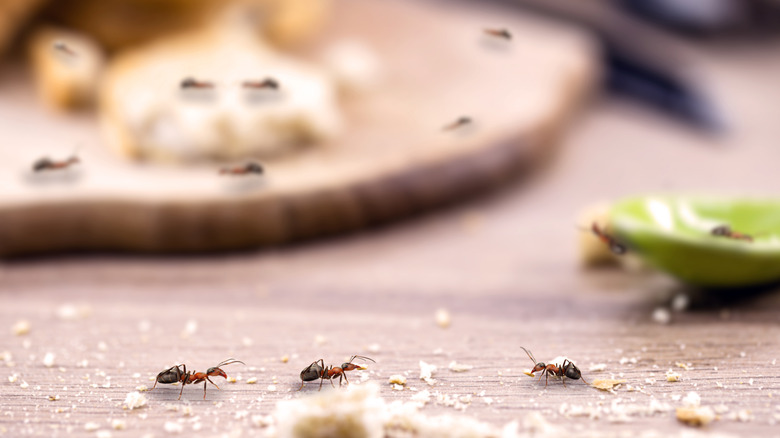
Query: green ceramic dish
[[674, 234]]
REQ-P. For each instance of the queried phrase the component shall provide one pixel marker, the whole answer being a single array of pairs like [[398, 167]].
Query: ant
[[47, 163], [318, 370], [242, 170], [499, 33], [191, 82], [62, 47], [614, 246], [270, 83], [179, 373], [461, 121], [726, 231], [560, 367]]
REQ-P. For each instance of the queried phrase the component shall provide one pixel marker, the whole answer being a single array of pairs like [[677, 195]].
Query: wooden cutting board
[[392, 161]]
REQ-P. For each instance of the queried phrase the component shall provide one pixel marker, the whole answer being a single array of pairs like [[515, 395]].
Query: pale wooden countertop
[[505, 267]]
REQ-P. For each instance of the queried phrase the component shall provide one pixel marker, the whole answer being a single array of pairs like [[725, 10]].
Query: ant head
[[271, 83], [254, 168], [349, 366], [571, 371], [215, 371], [722, 230]]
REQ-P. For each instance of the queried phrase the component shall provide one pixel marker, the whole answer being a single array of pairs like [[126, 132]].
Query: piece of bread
[[147, 114], [66, 65]]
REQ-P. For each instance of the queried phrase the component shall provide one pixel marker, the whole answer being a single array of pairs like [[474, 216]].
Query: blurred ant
[[614, 246], [47, 163], [499, 33], [63, 48], [270, 83], [461, 121], [726, 231], [191, 82], [318, 370], [246, 169], [560, 367], [179, 373]]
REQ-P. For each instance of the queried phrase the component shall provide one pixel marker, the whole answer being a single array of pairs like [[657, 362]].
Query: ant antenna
[[229, 361], [530, 356], [360, 357]]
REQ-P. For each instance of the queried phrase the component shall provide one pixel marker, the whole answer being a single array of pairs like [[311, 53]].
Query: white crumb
[[422, 397], [118, 424], [662, 315], [251, 380], [692, 399], [13, 378], [397, 379], [172, 427], [262, 420], [70, 312], [459, 367], [91, 427], [374, 348], [671, 376], [271, 388], [320, 340], [22, 327], [426, 372], [680, 302], [48, 360], [134, 400], [597, 367], [103, 434], [189, 329]]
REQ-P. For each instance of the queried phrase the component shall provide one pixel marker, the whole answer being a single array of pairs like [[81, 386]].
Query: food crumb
[[91, 427], [262, 420], [459, 367], [671, 376], [598, 367], [607, 384], [443, 318], [103, 434], [685, 366], [189, 329], [271, 388], [134, 400], [320, 340], [172, 427], [527, 372], [397, 379], [118, 424], [21, 328], [54, 397], [285, 358], [695, 415], [426, 372], [374, 348], [48, 360], [662, 315], [251, 380], [141, 388]]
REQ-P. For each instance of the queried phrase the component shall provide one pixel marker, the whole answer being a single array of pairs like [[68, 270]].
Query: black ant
[[726, 231], [318, 370], [63, 48], [179, 373], [246, 169], [191, 82], [269, 83], [461, 121], [47, 163], [560, 367], [499, 33], [614, 246]]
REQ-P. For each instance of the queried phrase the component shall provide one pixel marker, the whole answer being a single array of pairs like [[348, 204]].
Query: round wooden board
[[393, 159]]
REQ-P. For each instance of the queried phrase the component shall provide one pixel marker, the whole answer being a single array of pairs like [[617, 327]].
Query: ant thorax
[[558, 361]]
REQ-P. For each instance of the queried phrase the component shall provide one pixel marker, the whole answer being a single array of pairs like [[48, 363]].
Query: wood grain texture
[[392, 161]]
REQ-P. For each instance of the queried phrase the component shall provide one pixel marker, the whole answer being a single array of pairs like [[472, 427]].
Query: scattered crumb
[[48, 360], [598, 367], [186, 411], [24, 385], [285, 358], [743, 415], [626, 360], [662, 315], [397, 379], [13, 378], [374, 348], [606, 384], [685, 366], [696, 416], [443, 318], [141, 388], [118, 424], [271, 388], [103, 434], [91, 427], [232, 379], [527, 372], [650, 381], [680, 302], [172, 427], [459, 367], [320, 340], [423, 397], [134, 400], [426, 372], [262, 420], [671, 376], [251, 380], [21, 328], [70, 312], [54, 397], [189, 329], [692, 399]]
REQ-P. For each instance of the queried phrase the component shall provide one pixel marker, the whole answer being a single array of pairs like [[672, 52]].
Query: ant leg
[[207, 378], [546, 377], [182, 390], [331, 382], [302, 382], [563, 380], [322, 379], [345, 379], [204, 390]]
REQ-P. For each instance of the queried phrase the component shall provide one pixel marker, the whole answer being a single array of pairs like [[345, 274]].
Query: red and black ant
[[614, 246], [560, 367], [179, 373], [191, 82], [726, 231], [318, 370], [63, 48], [499, 33], [246, 169], [47, 163], [269, 83], [461, 121]]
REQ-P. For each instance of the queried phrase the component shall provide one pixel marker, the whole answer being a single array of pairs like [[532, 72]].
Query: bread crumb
[[21, 328], [189, 329], [373, 348], [13, 378], [671, 376], [606, 384], [397, 379], [692, 399], [141, 388], [54, 397], [695, 416], [251, 380], [527, 372], [103, 434], [134, 400], [24, 385], [91, 427], [118, 424], [271, 388], [172, 427], [459, 367], [443, 318], [70, 312], [285, 358], [685, 366], [597, 367], [262, 420], [48, 360], [426, 372], [320, 340], [662, 315]]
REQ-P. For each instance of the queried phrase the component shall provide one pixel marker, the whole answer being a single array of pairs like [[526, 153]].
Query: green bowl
[[674, 234]]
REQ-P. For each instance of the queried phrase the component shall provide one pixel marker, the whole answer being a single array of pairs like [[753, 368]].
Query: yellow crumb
[[606, 384], [695, 416]]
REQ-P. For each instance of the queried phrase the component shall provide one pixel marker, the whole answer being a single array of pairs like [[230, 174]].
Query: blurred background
[[417, 157]]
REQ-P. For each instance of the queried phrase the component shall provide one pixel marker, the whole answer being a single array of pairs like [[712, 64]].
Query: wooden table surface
[[504, 266]]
